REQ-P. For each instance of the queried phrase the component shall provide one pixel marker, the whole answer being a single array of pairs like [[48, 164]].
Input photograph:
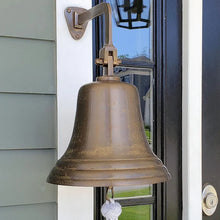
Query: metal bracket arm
[[77, 19], [100, 9]]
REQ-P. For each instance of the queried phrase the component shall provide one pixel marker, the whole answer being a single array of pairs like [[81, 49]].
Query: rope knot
[[111, 210]]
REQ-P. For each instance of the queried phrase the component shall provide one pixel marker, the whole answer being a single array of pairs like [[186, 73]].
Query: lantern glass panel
[[126, 12], [132, 44], [122, 12], [147, 5]]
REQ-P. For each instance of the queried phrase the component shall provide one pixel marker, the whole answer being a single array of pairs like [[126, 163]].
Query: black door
[[211, 97], [154, 67]]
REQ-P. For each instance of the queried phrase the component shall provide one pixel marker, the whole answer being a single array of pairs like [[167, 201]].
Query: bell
[[108, 145]]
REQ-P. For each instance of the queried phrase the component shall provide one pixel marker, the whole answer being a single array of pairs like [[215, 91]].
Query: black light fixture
[[132, 14]]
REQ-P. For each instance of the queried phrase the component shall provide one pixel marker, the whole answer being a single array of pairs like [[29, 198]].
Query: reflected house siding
[[143, 85], [142, 79], [147, 109]]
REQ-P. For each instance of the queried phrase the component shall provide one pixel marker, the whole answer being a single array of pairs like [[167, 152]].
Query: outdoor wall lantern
[[131, 14], [108, 146]]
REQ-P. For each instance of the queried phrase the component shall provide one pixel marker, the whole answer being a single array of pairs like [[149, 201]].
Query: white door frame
[[192, 110]]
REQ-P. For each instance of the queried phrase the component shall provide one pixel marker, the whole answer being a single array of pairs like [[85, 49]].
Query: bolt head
[[77, 36]]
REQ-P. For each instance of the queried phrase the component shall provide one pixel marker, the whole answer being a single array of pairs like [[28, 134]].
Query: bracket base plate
[[69, 13]]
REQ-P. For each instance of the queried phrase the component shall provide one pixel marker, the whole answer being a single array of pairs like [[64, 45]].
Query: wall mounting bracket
[[77, 20]]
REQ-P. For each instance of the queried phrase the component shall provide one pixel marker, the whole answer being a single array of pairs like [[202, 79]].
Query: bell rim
[[114, 182], [140, 173]]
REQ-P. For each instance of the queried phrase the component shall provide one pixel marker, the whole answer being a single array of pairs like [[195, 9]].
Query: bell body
[[108, 145]]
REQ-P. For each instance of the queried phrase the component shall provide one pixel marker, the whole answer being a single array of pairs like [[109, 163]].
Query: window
[[144, 62]]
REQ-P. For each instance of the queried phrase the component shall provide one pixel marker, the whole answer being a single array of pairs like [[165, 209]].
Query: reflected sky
[[132, 42]]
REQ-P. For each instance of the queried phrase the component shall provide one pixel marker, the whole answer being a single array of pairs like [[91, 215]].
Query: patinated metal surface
[[77, 20], [108, 145], [70, 15]]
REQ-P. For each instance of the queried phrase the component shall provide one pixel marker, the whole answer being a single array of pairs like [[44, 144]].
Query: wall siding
[[28, 19], [28, 128], [27, 66], [27, 121], [45, 211], [23, 177]]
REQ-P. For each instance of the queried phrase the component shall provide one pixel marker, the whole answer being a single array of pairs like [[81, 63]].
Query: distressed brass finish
[[108, 145], [70, 13], [210, 200]]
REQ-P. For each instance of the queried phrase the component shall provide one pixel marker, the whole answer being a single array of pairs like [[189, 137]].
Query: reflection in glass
[[133, 191], [132, 14], [141, 212], [133, 44], [143, 80]]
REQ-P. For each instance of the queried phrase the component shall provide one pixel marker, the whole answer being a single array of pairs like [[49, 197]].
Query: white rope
[[111, 210]]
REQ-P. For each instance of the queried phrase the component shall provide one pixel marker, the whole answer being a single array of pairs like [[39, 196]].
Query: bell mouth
[[111, 172], [108, 78]]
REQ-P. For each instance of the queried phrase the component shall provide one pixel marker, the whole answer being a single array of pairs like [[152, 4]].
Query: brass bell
[[108, 145]]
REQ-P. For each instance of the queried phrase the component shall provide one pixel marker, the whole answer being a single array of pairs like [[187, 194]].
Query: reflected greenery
[[142, 212], [121, 193], [148, 134]]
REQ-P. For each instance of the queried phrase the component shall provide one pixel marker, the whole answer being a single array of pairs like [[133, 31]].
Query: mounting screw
[[77, 36], [68, 10]]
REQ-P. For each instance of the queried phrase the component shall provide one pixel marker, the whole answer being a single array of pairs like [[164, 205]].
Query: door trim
[[192, 110]]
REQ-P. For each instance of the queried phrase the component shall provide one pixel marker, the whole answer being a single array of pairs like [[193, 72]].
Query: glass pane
[[133, 44], [143, 80], [141, 212], [133, 191]]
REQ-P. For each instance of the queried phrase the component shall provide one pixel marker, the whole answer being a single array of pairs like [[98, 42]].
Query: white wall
[[74, 68], [192, 109]]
